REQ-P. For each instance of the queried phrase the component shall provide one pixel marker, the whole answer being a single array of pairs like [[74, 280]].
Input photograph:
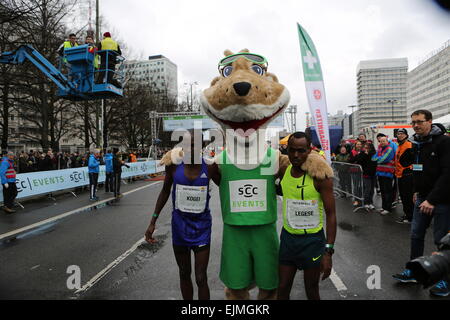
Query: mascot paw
[[283, 160], [211, 160], [317, 167], [174, 156]]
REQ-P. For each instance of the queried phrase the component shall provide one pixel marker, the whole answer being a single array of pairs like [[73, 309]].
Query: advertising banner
[[43, 182], [315, 89]]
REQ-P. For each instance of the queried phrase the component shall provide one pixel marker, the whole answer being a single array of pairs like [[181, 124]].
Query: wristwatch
[[329, 248]]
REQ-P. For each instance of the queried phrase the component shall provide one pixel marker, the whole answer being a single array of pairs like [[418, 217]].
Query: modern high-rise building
[[381, 86], [429, 84], [336, 120], [158, 72]]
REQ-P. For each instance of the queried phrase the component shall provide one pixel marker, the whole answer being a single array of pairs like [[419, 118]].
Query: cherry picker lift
[[79, 83]]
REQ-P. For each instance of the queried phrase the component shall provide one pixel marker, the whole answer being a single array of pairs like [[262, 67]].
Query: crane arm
[[26, 52]]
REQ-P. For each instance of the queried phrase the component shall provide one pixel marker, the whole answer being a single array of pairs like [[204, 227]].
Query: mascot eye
[[226, 72], [258, 69]]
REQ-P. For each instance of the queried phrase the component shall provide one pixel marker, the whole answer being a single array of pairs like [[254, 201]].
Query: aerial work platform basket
[[91, 81]]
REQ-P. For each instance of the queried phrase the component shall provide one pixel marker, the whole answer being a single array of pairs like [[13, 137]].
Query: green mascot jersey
[[248, 197]]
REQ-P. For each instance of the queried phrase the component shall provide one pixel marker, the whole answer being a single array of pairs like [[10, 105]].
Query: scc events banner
[[315, 89], [35, 183]]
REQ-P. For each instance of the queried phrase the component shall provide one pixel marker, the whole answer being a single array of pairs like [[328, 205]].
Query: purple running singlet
[[191, 217]]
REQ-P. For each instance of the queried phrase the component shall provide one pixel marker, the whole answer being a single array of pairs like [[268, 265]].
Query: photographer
[[430, 160], [429, 270]]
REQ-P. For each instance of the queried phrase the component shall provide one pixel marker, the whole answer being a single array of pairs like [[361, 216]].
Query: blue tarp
[[336, 133]]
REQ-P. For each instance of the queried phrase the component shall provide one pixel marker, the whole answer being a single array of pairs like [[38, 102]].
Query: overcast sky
[[193, 34]]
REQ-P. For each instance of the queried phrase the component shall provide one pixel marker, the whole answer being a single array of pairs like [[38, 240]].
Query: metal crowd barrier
[[348, 180]]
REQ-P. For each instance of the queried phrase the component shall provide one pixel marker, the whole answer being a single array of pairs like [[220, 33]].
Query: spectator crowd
[[34, 161]]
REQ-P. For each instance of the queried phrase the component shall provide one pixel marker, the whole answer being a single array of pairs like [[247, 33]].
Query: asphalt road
[[104, 243]]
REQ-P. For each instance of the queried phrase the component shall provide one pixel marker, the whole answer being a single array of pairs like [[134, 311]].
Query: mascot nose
[[242, 88]]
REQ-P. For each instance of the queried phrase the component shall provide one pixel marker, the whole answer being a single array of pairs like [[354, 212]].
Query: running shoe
[[384, 212], [371, 206], [405, 277], [441, 289], [403, 220]]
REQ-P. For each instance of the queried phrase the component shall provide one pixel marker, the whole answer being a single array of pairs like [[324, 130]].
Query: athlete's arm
[[214, 173], [160, 203], [325, 188]]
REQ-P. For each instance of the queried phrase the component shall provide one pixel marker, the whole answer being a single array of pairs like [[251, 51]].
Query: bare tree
[[40, 106]]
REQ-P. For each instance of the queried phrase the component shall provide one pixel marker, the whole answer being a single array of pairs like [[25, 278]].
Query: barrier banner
[[43, 182]]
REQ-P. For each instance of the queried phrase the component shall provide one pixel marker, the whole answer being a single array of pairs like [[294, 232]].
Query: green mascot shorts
[[250, 255]]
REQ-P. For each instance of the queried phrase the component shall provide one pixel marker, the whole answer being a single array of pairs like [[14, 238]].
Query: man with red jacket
[[8, 179], [385, 173]]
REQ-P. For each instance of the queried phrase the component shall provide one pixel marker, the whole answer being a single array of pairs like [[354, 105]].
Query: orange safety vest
[[398, 167], [133, 157]]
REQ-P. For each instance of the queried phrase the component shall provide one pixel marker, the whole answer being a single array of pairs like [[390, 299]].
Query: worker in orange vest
[[404, 177]]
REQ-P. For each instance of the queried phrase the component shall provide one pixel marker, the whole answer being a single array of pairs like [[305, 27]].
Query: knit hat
[[404, 131], [107, 34]]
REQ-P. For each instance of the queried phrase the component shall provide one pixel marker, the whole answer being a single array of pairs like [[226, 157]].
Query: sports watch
[[329, 248]]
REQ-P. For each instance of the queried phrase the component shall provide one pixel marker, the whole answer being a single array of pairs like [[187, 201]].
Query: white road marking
[[111, 266], [340, 286], [64, 215]]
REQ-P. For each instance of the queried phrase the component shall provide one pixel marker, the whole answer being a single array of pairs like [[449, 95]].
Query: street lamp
[[392, 101], [190, 84]]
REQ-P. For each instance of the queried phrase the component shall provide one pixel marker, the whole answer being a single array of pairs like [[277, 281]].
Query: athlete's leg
[[183, 258], [287, 275], [201, 276], [311, 280], [264, 294], [237, 294]]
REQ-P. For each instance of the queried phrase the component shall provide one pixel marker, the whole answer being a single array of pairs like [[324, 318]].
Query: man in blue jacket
[[8, 179], [93, 168], [109, 169]]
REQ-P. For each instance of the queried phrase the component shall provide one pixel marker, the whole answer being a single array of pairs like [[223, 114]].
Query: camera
[[429, 270]]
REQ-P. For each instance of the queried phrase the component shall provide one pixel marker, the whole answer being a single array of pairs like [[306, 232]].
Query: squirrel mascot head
[[245, 96]]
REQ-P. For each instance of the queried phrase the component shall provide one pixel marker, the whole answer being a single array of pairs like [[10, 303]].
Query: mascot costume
[[243, 100]]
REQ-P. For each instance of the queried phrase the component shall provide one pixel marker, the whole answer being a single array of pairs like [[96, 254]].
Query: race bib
[[302, 214], [191, 199], [248, 195]]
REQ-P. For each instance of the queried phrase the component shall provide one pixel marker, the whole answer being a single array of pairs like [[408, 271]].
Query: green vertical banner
[[315, 89]]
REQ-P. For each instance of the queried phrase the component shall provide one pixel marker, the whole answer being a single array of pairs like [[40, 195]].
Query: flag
[[315, 89]]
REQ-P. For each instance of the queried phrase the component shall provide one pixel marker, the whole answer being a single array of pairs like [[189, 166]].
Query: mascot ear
[[227, 53], [244, 50], [272, 77], [214, 81]]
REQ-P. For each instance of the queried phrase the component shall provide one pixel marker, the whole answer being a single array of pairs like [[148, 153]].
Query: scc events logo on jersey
[[248, 195], [248, 190]]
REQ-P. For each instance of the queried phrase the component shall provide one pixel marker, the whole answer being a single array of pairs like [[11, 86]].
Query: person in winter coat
[[117, 167], [369, 167], [430, 160], [8, 179], [385, 173], [109, 170], [93, 169]]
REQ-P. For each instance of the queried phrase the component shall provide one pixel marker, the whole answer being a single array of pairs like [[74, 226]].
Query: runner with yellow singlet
[[303, 244]]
